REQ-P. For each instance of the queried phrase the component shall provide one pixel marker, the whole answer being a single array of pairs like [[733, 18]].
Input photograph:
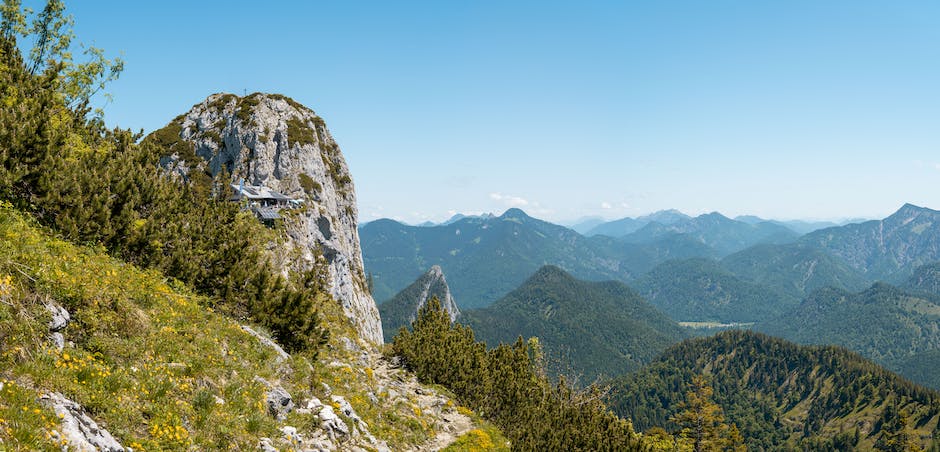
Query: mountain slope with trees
[[883, 323], [700, 290], [888, 249], [793, 269], [586, 328], [781, 395]]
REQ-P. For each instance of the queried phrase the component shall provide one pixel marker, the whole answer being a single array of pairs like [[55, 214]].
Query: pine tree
[[702, 422], [895, 431]]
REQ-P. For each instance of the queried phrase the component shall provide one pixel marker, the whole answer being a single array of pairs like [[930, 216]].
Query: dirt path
[[449, 423]]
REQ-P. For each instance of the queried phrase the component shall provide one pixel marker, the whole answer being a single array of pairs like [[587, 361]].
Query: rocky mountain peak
[[435, 284], [272, 141], [403, 308]]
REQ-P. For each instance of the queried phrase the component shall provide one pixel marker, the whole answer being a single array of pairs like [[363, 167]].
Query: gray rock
[[291, 435], [58, 340], [271, 141], [266, 446], [331, 423], [278, 399], [60, 317], [347, 409], [81, 432], [282, 355]]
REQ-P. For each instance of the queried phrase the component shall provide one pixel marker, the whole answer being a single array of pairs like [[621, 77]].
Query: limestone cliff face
[[402, 309], [272, 141]]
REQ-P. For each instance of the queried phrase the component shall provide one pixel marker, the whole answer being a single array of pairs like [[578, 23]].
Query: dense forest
[[587, 329], [781, 395], [898, 325]]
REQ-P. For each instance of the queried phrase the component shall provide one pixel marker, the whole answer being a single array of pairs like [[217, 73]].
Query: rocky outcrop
[[402, 309], [279, 401], [272, 141], [79, 430]]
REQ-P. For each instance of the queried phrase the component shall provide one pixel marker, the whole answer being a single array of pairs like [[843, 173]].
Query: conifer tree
[[895, 431], [703, 423]]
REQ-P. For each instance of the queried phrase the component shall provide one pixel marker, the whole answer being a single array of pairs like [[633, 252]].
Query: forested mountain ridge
[[888, 249], [793, 269], [587, 329], [781, 396], [926, 278], [883, 323], [701, 290]]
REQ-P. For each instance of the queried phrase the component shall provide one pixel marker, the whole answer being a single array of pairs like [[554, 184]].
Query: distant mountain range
[[586, 328], [486, 257], [888, 249], [718, 232], [781, 396], [624, 226]]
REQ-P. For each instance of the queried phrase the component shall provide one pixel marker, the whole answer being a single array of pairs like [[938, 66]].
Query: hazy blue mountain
[[782, 396], [805, 227], [583, 225], [402, 309], [624, 226], [793, 269], [617, 228], [883, 323], [888, 249], [486, 257], [798, 226], [596, 328], [700, 290], [717, 231]]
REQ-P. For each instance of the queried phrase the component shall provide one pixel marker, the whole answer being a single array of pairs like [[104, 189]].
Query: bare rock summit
[[401, 310], [271, 141]]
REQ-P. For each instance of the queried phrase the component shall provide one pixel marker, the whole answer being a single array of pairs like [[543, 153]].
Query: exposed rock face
[[402, 309], [272, 141], [79, 430]]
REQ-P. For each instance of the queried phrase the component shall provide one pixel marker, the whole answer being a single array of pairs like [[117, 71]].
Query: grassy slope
[[151, 362]]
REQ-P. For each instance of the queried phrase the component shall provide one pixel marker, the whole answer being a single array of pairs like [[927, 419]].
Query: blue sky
[[798, 109]]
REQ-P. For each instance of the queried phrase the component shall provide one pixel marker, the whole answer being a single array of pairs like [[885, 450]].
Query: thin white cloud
[[937, 166], [509, 200], [606, 205]]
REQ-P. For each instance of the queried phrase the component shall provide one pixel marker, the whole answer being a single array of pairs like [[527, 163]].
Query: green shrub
[[300, 132], [309, 185], [508, 386]]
